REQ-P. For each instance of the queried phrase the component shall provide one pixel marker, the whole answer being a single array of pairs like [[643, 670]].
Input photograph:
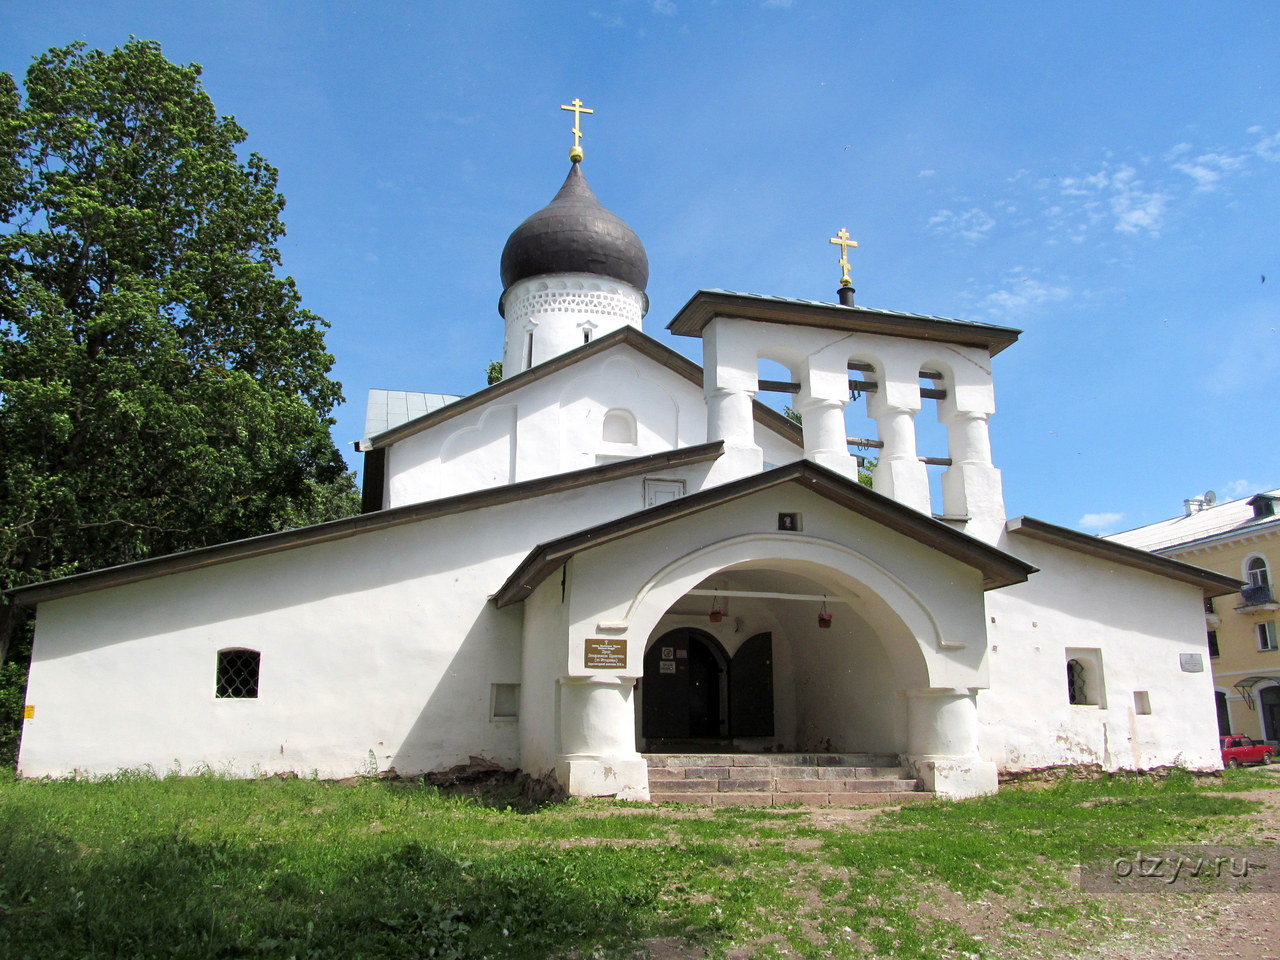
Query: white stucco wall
[[377, 650], [556, 424], [549, 426], [1139, 623]]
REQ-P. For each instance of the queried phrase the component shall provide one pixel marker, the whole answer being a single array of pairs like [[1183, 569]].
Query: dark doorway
[[1269, 706], [682, 687], [751, 688], [1224, 715]]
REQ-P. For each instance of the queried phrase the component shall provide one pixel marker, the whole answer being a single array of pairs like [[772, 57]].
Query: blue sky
[[1103, 176]]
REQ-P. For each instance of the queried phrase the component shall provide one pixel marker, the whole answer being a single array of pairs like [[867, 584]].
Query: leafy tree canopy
[[161, 387]]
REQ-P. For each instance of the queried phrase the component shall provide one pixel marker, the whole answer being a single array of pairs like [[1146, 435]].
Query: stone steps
[[781, 779]]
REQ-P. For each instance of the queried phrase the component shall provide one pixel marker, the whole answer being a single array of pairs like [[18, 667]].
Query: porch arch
[[924, 652]]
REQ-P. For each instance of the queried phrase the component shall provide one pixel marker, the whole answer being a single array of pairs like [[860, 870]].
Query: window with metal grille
[[238, 674], [1076, 691]]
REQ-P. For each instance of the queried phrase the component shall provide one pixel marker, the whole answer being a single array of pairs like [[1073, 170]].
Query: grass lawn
[[136, 866]]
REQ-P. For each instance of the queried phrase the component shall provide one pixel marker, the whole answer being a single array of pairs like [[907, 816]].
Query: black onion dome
[[575, 234]]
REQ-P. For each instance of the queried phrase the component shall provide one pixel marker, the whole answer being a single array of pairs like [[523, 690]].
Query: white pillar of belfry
[[899, 474], [821, 404], [942, 743], [729, 385], [971, 486], [598, 740]]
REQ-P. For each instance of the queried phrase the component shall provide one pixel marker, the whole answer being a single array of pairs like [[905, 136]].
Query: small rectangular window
[[504, 701], [1141, 702], [1085, 683], [1213, 643], [237, 677], [1267, 635]]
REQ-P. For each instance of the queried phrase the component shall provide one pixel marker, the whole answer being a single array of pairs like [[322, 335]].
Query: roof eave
[[1211, 583], [706, 305], [653, 349], [155, 567]]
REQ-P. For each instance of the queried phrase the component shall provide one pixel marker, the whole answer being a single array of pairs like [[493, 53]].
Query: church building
[[613, 552]]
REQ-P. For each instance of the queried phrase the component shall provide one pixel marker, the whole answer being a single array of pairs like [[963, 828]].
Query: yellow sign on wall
[[29, 712]]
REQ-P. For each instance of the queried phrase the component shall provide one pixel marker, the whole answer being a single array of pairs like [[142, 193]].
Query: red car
[[1237, 750]]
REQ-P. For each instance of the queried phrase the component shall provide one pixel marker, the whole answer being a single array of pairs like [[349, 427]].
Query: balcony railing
[[1256, 594]]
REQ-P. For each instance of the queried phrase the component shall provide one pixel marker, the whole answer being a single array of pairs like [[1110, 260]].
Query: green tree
[[161, 387]]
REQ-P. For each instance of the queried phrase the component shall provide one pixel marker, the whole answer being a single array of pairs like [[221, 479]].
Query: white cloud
[[612, 21], [972, 225], [1238, 488], [1136, 212], [1208, 168], [666, 7], [1135, 209], [1020, 294], [1268, 148], [776, 4], [1101, 522], [926, 173]]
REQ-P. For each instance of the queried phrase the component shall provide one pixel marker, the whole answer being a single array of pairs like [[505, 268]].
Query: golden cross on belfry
[[842, 240], [578, 110]]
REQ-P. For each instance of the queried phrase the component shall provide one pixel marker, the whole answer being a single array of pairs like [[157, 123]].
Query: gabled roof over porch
[[998, 568]]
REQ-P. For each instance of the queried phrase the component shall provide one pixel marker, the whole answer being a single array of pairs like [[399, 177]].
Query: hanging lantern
[[717, 610], [824, 618]]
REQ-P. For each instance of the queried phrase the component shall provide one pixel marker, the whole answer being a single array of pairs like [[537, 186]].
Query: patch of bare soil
[[1175, 926]]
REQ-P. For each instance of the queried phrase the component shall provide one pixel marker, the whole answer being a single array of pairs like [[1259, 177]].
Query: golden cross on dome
[[578, 110], [842, 240]]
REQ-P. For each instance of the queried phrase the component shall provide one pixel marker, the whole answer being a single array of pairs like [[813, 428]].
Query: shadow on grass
[[174, 896]]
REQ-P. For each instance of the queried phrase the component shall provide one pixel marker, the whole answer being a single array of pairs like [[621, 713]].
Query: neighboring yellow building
[[1241, 539]]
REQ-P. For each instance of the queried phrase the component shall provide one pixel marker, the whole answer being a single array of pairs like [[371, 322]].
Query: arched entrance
[[685, 687]]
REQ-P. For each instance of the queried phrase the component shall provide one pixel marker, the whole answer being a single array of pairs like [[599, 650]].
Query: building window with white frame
[[1259, 576], [1267, 635], [1257, 572]]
